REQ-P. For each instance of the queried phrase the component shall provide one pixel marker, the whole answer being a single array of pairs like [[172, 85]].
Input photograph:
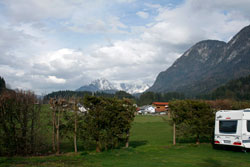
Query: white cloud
[[35, 53], [142, 14], [33, 10], [150, 5], [79, 16], [173, 32], [56, 80], [110, 24], [126, 1]]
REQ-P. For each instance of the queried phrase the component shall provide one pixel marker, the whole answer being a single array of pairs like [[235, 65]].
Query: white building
[[148, 109]]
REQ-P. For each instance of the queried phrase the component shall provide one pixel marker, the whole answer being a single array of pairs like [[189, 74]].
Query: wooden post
[[53, 134], [174, 133], [127, 140], [52, 106]]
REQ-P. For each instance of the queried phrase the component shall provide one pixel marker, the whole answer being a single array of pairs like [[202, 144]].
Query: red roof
[[160, 103]]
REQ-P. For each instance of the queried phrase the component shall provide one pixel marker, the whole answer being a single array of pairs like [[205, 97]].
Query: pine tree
[[2, 84]]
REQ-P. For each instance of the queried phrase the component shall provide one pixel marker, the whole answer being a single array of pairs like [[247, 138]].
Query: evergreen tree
[[108, 121], [123, 94], [150, 97], [2, 84], [238, 89]]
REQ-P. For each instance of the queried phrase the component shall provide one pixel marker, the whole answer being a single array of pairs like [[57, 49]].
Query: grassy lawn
[[150, 146]]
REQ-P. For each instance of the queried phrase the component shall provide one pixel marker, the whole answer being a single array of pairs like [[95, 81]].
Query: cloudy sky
[[49, 45]]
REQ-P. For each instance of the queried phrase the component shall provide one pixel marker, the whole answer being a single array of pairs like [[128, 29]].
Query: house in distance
[[147, 109], [157, 108], [161, 107]]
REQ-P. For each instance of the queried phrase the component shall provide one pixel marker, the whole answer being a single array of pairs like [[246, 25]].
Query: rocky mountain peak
[[103, 84], [207, 65], [239, 45]]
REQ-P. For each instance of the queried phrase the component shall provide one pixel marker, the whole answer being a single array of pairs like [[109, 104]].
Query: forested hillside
[[68, 94], [238, 89], [150, 97]]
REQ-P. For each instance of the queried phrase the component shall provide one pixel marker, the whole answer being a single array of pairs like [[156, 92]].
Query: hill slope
[[207, 65], [238, 89]]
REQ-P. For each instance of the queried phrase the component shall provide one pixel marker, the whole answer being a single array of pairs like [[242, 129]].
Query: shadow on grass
[[230, 148], [210, 162], [135, 144]]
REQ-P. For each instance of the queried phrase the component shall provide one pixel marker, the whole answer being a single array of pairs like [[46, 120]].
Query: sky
[[50, 45]]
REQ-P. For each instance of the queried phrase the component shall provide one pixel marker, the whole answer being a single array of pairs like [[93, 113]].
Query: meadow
[[150, 146]]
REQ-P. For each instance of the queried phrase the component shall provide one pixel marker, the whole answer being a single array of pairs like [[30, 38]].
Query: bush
[[194, 119], [19, 117], [108, 121]]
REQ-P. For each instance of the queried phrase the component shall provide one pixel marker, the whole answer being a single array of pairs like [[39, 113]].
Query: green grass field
[[150, 146]]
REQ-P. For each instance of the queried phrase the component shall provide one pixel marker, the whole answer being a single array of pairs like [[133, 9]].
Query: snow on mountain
[[132, 88], [98, 85], [104, 85]]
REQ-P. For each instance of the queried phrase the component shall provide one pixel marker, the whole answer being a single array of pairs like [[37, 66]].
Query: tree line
[[150, 97], [29, 128], [100, 121], [143, 99], [105, 123], [80, 94]]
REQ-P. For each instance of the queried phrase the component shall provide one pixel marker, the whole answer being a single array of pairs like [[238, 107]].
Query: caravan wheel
[[244, 150]]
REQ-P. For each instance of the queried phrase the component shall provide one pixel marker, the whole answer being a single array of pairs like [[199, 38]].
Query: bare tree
[[58, 107], [19, 114], [53, 107]]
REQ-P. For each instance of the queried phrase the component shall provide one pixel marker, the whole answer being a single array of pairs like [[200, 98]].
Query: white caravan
[[232, 127]]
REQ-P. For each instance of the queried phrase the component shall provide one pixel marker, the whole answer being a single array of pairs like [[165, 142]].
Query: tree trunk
[[57, 133], [127, 144], [198, 139], [32, 135], [174, 135], [127, 140], [75, 133], [24, 131], [53, 134], [98, 149], [169, 114]]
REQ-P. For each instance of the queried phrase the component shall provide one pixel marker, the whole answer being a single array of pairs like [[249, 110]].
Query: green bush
[[194, 119]]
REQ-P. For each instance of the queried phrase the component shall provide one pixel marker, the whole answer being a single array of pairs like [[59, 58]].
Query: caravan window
[[228, 126], [248, 125]]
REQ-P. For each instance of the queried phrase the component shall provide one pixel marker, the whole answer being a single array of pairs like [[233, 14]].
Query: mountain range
[[103, 85], [207, 65]]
